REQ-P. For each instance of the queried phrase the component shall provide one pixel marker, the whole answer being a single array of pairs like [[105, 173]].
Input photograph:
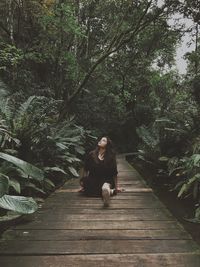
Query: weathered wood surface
[[70, 229]]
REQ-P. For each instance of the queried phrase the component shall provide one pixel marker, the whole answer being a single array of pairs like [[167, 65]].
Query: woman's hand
[[119, 190]]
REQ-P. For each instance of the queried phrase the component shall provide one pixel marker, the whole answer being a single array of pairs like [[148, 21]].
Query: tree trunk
[[196, 49], [10, 20]]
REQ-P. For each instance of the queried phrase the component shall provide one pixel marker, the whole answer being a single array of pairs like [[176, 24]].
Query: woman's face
[[103, 142]]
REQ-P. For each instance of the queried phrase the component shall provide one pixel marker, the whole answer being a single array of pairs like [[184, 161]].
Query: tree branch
[[117, 41]]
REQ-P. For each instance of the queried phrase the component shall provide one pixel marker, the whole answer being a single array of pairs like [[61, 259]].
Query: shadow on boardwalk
[[73, 230]]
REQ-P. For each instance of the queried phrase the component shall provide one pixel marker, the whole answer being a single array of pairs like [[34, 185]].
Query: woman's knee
[[106, 186]]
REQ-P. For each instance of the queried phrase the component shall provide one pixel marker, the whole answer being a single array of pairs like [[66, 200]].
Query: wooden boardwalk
[[73, 230]]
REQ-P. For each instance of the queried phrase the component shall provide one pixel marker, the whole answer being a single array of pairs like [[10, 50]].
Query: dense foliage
[[74, 70]]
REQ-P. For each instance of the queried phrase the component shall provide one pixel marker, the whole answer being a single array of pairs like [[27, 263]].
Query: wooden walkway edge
[[70, 229]]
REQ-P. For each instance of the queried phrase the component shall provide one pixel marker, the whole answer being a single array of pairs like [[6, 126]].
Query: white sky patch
[[186, 44]]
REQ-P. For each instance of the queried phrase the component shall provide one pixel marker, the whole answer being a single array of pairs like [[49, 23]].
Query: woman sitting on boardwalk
[[102, 167]]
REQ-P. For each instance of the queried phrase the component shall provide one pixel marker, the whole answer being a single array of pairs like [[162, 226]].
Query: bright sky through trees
[[186, 44]]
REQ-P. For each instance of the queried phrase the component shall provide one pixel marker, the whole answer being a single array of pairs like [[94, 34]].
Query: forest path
[[70, 229]]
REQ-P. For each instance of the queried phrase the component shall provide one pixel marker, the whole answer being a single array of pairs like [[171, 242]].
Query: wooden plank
[[128, 196], [120, 214], [97, 234], [138, 212], [127, 183], [113, 204], [102, 217], [148, 198], [128, 200], [24, 247], [141, 225], [137, 199], [120, 181], [127, 187], [102, 260], [100, 208], [62, 195], [140, 198], [121, 195], [132, 190]]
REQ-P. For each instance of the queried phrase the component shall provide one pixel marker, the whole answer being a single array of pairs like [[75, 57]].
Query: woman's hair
[[110, 153]]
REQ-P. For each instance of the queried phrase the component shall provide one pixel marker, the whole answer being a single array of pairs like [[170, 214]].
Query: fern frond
[[21, 112]]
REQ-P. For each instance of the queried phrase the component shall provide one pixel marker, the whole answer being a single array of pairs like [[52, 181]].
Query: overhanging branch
[[118, 40]]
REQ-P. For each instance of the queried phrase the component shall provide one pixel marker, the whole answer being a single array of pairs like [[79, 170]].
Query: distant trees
[[60, 44]]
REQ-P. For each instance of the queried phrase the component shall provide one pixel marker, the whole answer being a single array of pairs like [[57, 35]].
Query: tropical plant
[[33, 133], [18, 203]]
